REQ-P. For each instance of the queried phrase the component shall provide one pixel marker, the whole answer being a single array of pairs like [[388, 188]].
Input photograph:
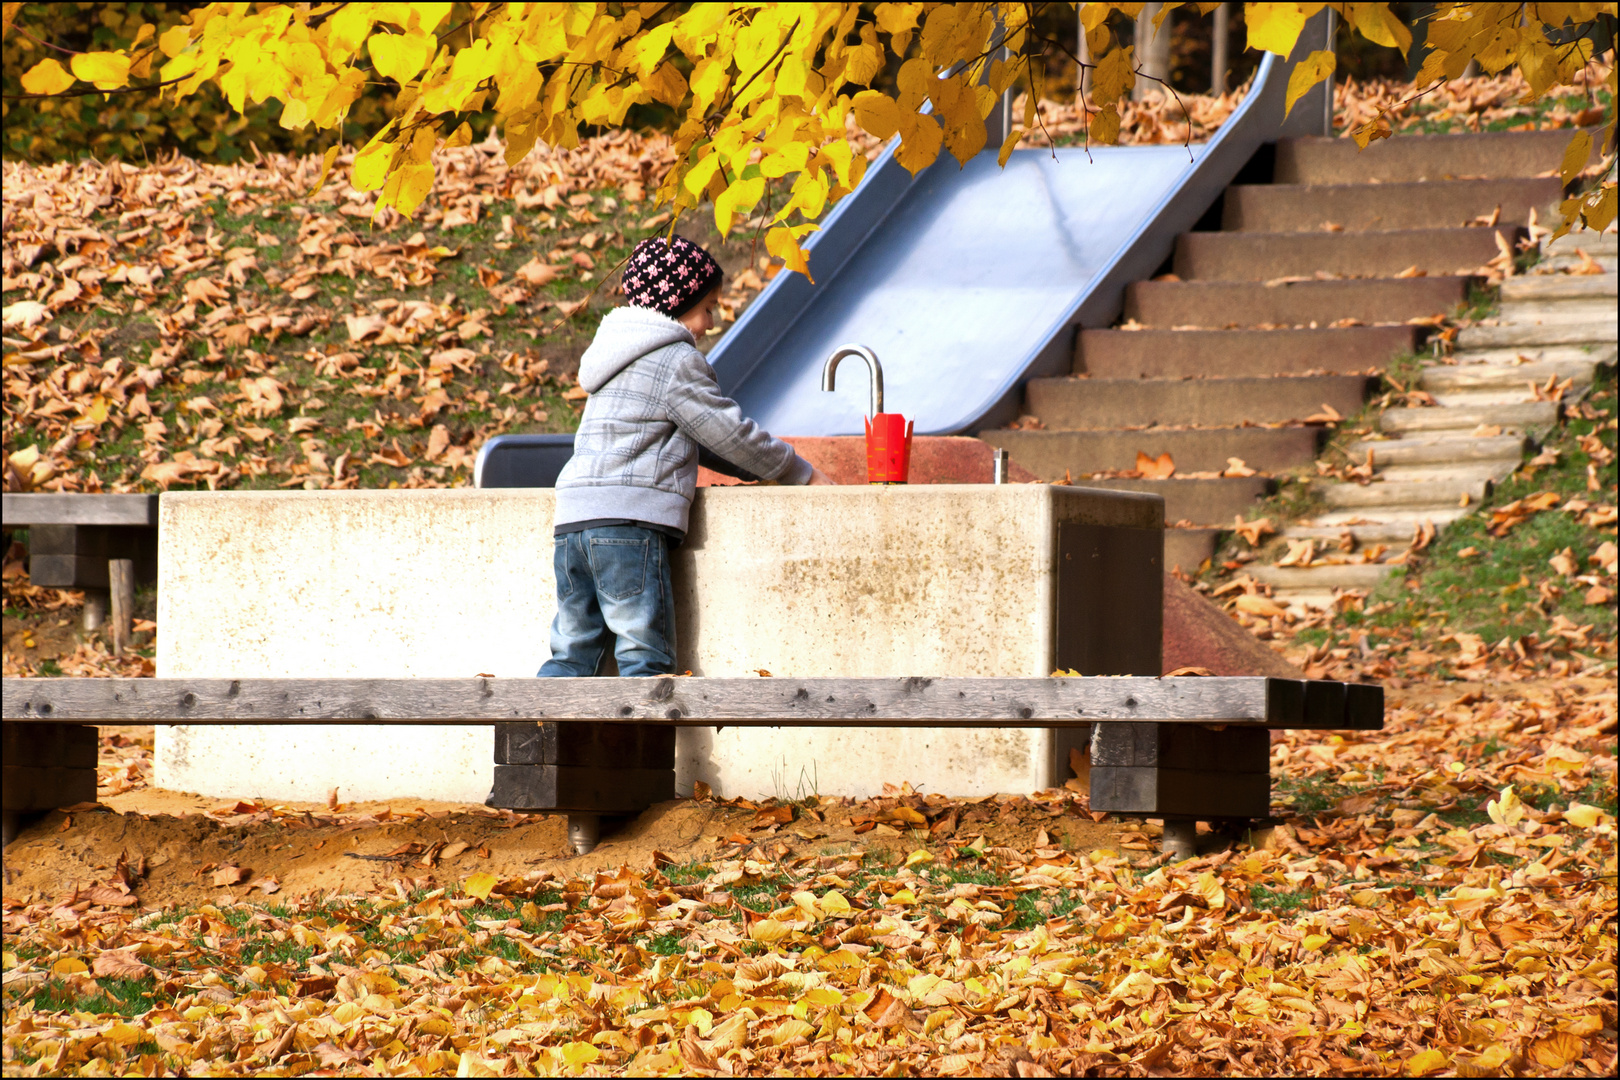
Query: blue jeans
[[612, 583]]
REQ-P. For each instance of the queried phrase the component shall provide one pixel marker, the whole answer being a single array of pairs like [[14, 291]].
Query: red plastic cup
[[888, 449]]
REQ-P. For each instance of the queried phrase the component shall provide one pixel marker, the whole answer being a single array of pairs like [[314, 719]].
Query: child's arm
[[717, 424]]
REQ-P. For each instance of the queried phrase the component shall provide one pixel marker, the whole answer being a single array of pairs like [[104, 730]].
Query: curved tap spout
[[872, 366]]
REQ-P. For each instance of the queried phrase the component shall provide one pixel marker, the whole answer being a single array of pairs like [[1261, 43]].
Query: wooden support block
[[75, 556], [630, 746], [27, 788], [1324, 703], [1181, 746], [66, 746], [1363, 706], [1148, 791], [566, 787]]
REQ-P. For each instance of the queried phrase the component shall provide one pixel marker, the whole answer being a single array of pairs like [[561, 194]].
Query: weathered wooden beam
[[892, 702]]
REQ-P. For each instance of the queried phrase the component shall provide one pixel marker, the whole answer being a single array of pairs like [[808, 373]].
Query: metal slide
[[966, 282]]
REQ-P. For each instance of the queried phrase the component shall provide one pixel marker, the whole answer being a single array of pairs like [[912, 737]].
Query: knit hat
[[669, 276]]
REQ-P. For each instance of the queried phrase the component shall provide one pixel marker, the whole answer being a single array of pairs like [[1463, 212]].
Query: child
[[624, 497]]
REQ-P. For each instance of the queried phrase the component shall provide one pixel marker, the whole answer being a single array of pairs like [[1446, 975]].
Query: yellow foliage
[[746, 81]]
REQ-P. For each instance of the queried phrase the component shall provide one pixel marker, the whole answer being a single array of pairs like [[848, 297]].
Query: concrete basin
[[929, 580]]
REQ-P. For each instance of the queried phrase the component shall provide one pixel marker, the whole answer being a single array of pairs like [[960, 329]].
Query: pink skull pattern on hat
[[669, 276]]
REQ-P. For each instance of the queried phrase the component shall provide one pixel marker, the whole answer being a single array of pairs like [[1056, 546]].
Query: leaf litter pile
[[1435, 897]]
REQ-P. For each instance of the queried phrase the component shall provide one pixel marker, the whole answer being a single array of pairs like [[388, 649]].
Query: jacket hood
[[625, 336]]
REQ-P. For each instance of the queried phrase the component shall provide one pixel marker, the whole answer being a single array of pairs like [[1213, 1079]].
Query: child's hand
[[818, 478]]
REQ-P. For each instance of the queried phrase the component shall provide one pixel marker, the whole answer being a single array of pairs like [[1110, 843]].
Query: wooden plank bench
[[1185, 749], [103, 544]]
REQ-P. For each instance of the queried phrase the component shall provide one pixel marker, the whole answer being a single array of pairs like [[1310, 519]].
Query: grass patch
[[1280, 901], [118, 997]]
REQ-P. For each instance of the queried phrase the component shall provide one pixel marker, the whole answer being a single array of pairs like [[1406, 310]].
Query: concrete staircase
[[1501, 390], [1320, 272]]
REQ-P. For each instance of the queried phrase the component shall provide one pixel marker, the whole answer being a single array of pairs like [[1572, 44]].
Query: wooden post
[[95, 608], [121, 579], [1220, 36]]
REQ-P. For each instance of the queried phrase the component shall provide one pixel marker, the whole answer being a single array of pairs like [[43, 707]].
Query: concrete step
[[1483, 399], [1569, 264], [1125, 354], [1291, 303], [1423, 157], [1536, 354], [1215, 501], [1188, 548], [1432, 451], [1488, 471], [1556, 312], [1408, 517], [1448, 378], [1050, 454], [1263, 256], [1560, 287], [1307, 207], [1424, 493], [1078, 404], [1380, 532], [1593, 243], [1511, 418], [1596, 332], [1323, 578]]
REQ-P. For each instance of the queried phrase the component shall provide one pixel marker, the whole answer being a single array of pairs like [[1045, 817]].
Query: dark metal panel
[[522, 461]]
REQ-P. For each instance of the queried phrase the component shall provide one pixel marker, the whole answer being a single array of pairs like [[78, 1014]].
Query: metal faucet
[[872, 366]]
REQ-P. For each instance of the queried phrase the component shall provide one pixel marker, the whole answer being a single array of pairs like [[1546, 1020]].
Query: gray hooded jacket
[[654, 403]]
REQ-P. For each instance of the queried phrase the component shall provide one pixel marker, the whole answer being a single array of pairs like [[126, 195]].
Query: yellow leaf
[[1506, 810], [579, 1054], [1008, 145], [1425, 1062], [69, 965], [666, 85], [824, 995], [918, 858], [833, 904], [1104, 127], [326, 167], [1380, 25], [920, 138], [46, 77], [1316, 941], [1276, 27], [1582, 815], [877, 113], [124, 1035], [375, 159], [105, 70], [1575, 155], [479, 885], [401, 57], [1306, 74], [175, 40], [784, 245], [768, 931], [738, 198], [1114, 76]]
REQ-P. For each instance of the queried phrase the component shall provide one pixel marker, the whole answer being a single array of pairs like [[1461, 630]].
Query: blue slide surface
[[967, 281]]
